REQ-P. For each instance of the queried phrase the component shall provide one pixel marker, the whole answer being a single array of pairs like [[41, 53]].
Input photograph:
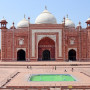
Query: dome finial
[[13, 23], [67, 15], [64, 20], [79, 23], [24, 15], [45, 7], [3, 18]]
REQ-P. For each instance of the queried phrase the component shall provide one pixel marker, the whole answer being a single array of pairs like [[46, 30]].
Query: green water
[[52, 77]]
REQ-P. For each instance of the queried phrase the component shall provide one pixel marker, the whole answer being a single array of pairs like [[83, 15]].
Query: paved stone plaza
[[16, 74]]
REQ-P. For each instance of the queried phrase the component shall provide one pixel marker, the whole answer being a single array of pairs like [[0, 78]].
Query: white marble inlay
[[21, 48], [59, 31], [72, 48], [53, 37]]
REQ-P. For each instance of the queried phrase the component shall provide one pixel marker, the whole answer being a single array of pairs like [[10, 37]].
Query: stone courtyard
[[15, 75]]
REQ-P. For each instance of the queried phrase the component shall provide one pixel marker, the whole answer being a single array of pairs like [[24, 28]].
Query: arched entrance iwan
[[21, 55], [46, 49], [72, 55], [46, 55]]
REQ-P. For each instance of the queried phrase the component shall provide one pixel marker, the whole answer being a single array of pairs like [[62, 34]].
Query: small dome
[[69, 23], [23, 23], [12, 27], [3, 20], [45, 18], [88, 20]]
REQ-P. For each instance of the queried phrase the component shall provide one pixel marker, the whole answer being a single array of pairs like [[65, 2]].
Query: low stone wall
[[48, 88]]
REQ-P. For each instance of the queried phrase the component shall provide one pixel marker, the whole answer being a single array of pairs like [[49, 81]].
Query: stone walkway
[[40, 63]]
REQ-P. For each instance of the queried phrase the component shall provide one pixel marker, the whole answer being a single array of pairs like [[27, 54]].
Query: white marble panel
[[53, 37], [73, 49], [59, 31], [21, 48]]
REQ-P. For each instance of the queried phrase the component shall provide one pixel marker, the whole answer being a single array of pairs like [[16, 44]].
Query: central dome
[[45, 18]]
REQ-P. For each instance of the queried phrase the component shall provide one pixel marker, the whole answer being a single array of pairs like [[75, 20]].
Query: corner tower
[[3, 38], [3, 23], [88, 36]]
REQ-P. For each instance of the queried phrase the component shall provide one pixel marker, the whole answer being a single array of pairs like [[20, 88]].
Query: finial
[[64, 20], [3, 16], [45, 7], [79, 23], [28, 18], [13, 23], [67, 15], [24, 15]]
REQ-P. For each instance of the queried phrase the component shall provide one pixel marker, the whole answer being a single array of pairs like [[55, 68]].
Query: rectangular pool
[[52, 77]]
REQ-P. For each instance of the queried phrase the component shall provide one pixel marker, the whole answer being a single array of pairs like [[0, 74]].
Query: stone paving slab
[[22, 79]]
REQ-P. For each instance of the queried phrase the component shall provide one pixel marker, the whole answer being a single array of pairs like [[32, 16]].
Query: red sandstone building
[[45, 40]]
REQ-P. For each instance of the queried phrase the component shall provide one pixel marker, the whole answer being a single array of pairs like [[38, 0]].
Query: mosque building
[[46, 40]]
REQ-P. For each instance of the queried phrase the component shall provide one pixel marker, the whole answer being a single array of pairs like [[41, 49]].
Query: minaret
[[3, 38], [3, 23], [79, 40], [29, 39], [79, 27], [88, 38], [88, 23]]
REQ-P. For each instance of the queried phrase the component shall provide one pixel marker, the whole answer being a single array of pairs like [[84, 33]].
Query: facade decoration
[[46, 40]]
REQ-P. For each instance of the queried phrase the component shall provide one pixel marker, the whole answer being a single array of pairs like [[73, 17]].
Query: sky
[[14, 10]]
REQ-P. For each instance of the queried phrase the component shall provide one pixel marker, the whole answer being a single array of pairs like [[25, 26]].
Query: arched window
[[21, 55], [72, 55]]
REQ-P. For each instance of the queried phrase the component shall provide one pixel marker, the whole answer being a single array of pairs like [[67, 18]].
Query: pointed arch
[[46, 49], [21, 55], [72, 55]]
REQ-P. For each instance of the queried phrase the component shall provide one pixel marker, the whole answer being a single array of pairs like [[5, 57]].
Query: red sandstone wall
[[88, 45], [80, 43], [3, 44], [82, 46]]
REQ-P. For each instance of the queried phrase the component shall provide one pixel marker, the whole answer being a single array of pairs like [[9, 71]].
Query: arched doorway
[[72, 55], [46, 49], [21, 55], [46, 55]]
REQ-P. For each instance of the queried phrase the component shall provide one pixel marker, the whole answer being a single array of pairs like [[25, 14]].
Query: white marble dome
[[45, 18], [88, 19], [23, 23], [3, 20], [69, 23]]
